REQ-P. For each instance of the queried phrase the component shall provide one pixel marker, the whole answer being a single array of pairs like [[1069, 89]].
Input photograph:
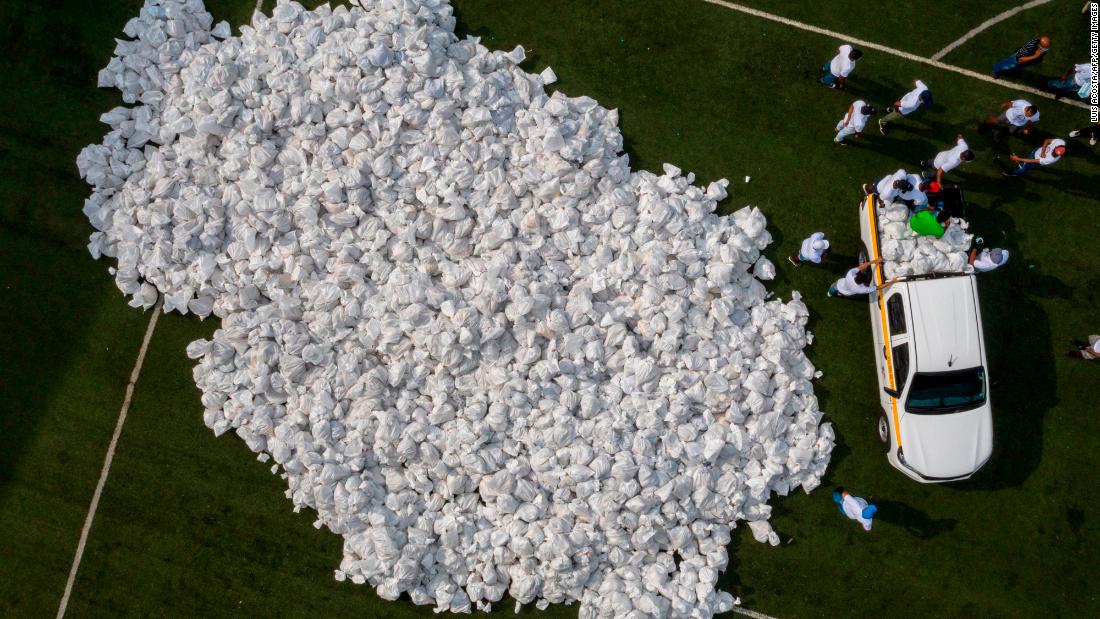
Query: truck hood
[[947, 446]]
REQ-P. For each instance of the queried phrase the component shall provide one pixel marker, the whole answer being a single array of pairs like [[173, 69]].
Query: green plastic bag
[[924, 223]]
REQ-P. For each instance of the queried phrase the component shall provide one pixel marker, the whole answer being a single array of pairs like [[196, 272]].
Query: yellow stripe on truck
[[880, 279]]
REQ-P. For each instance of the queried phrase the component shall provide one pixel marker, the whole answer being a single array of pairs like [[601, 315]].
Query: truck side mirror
[[893, 393]]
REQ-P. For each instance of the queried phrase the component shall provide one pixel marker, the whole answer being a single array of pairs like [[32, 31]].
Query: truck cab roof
[[946, 310]]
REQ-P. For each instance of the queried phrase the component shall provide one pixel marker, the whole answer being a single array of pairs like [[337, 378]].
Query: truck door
[[895, 371]]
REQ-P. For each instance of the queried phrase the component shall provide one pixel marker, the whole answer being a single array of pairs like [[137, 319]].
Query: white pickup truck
[[936, 421]]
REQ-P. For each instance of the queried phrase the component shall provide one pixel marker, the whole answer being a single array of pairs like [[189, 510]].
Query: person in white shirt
[[987, 259], [858, 281], [948, 160], [854, 121], [920, 95], [814, 249], [840, 67], [1018, 116], [1050, 152], [1086, 350], [1075, 82], [854, 507], [889, 187], [915, 197]]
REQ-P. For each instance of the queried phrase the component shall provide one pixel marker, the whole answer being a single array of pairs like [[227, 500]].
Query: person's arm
[[841, 82], [869, 263], [973, 255], [848, 116], [1019, 159], [1092, 353], [939, 176], [1039, 51], [889, 283], [1005, 106], [1046, 145], [1031, 57]]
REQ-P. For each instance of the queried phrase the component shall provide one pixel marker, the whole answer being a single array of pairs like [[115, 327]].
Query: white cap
[[820, 245]]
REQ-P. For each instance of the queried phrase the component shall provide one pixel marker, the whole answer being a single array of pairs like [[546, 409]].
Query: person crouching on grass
[[858, 281], [814, 249], [854, 507], [854, 121]]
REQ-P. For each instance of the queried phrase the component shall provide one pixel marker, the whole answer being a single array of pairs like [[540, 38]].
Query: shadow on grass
[[914, 521], [1077, 185], [48, 276], [1021, 366], [730, 578], [877, 93], [838, 264], [841, 449]]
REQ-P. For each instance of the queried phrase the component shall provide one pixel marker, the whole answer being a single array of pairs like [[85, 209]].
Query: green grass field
[[193, 526]]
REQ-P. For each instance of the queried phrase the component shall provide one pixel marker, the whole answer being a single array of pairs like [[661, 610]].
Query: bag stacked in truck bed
[[907, 253]]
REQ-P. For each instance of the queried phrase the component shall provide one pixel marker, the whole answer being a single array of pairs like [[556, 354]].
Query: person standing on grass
[[857, 281], [1092, 132], [815, 250], [1018, 115], [1086, 350], [1050, 152], [1075, 82], [854, 507], [889, 187], [854, 121], [987, 259], [947, 160], [840, 67], [920, 95], [1030, 53]]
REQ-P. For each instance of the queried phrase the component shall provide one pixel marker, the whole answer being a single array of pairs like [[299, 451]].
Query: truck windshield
[[946, 392]]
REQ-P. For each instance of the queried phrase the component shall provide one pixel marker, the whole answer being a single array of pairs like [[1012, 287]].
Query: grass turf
[[188, 526]]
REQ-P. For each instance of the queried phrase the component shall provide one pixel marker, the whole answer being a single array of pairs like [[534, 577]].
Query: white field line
[[107, 462], [890, 50], [986, 24], [751, 613]]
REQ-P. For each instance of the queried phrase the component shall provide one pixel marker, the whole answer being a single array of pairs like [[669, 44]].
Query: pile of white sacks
[[490, 356], [904, 252]]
